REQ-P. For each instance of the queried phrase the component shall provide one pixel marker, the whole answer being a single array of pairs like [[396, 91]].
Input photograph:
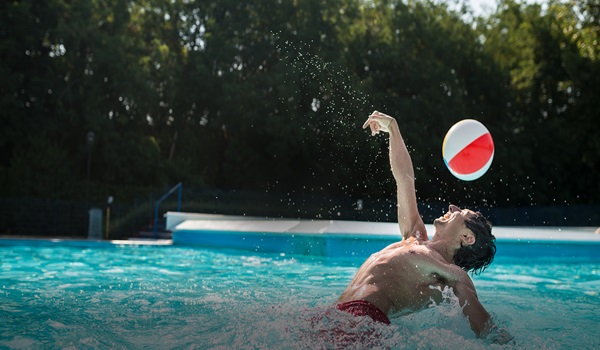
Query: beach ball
[[468, 149]]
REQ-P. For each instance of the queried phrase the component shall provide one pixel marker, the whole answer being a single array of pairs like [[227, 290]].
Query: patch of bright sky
[[486, 7], [483, 7]]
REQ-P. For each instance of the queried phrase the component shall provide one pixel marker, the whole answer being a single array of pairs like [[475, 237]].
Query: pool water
[[87, 296]]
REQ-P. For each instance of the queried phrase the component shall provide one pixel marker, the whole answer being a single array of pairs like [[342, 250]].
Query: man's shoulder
[[449, 271]]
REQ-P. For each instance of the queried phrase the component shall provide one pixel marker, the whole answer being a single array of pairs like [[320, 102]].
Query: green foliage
[[271, 96], [42, 169], [549, 67]]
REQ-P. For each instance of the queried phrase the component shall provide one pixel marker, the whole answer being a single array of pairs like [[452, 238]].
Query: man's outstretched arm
[[411, 223], [479, 319]]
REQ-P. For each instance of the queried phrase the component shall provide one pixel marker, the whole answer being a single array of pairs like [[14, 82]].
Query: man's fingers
[[372, 122], [378, 114], [375, 128], [376, 121], [378, 118]]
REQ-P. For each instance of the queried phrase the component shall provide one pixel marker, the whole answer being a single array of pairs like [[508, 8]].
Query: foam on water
[[177, 297]]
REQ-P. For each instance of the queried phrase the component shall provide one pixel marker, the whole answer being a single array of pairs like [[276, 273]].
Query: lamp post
[[109, 201], [89, 138]]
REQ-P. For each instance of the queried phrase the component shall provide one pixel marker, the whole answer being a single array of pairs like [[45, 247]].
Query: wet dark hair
[[475, 258]]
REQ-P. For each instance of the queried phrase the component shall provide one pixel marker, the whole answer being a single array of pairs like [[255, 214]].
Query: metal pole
[[89, 140], [179, 197], [89, 167], [107, 221], [155, 219], [109, 201]]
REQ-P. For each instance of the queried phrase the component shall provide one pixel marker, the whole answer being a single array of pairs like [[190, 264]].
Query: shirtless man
[[404, 277]]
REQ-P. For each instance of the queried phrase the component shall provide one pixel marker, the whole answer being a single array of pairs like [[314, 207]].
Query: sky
[[483, 6], [488, 6]]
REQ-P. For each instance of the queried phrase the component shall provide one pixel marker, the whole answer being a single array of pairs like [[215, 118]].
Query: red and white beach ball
[[468, 149]]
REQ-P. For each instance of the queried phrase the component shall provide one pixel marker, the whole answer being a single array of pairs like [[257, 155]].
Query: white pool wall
[[341, 239], [202, 223]]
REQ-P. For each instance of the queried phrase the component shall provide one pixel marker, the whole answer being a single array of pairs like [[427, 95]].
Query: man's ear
[[468, 238]]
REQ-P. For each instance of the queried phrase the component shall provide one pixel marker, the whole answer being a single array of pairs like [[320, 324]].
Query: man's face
[[453, 220]]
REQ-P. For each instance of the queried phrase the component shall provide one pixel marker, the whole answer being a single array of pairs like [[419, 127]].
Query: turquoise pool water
[[84, 295]]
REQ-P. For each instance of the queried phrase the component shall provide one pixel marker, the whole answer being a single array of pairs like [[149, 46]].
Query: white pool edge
[[215, 224]]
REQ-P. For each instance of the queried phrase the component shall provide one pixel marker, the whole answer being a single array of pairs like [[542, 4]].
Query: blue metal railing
[[177, 188]]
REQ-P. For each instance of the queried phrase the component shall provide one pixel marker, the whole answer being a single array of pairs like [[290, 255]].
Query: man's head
[[476, 257]]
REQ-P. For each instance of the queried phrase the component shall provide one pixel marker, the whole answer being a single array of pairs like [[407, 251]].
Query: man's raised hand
[[378, 122]]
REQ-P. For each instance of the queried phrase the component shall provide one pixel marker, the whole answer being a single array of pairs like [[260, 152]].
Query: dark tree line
[[270, 96]]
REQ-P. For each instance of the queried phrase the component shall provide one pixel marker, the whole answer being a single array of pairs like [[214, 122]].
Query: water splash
[[333, 103]]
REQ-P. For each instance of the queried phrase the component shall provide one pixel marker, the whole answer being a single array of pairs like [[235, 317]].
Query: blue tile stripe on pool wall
[[355, 245]]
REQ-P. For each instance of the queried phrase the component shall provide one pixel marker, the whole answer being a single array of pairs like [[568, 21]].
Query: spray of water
[[333, 104]]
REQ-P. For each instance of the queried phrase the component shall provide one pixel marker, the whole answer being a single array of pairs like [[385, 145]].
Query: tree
[[551, 82]]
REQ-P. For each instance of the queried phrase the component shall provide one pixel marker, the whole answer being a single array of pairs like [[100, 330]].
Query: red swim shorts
[[364, 308]]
